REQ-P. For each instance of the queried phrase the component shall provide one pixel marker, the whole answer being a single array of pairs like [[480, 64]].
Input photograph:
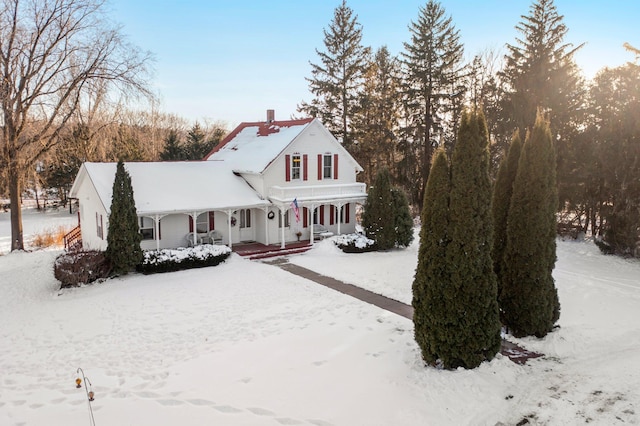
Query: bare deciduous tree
[[53, 53]]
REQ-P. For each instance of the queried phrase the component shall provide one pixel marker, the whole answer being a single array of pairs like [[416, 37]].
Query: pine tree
[[403, 222], [196, 147], [173, 151], [378, 219], [502, 191], [431, 315], [528, 298], [540, 72], [472, 289], [433, 64], [337, 81], [376, 122], [123, 237]]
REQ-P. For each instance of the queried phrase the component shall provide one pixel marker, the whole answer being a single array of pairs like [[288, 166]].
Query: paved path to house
[[515, 353]]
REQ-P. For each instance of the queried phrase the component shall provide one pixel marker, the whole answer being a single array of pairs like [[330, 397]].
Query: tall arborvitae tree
[[540, 72], [472, 290], [173, 150], [402, 220], [337, 81], [378, 219], [123, 238], [528, 298], [433, 64], [431, 298], [502, 190], [376, 122]]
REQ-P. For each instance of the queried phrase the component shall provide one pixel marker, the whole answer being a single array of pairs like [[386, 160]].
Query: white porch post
[[340, 218], [282, 228], [229, 216], [311, 211], [155, 231], [194, 236], [266, 225]]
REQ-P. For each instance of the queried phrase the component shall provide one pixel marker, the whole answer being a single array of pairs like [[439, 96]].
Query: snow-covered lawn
[[246, 343]]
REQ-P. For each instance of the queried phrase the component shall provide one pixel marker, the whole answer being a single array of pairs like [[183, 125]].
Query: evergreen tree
[[403, 222], [123, 237], [378, 219], [502, 191], [433, 64], [472, 289], [337, 81], [173, 151], [540, 72], [196, 147], [431, 301], [377, 119], [528, 298]]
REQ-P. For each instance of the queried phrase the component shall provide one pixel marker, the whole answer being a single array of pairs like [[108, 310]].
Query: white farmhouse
[[248, 189]]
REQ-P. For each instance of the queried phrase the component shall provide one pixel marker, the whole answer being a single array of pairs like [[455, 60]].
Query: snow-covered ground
[[246, 343]]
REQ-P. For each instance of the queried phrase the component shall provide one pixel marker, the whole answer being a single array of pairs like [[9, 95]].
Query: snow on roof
[[251, 147], [167, 187]]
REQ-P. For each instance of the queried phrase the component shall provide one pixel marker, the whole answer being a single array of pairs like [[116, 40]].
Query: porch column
[[194, 236], [266, 225], [339, 207], [155, 231], [311, 211], [229, 216], [281, 229]]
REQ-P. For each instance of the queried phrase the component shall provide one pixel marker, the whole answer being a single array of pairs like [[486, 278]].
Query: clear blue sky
[[231, 60]]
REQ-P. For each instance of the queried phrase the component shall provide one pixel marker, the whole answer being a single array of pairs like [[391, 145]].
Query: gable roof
[[174, 187], [251, 147]]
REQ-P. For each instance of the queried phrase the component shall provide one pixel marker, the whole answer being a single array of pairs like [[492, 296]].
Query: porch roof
[[175, 187]]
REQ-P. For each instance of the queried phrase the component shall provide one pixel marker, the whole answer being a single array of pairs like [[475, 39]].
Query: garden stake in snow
[[88, 390]]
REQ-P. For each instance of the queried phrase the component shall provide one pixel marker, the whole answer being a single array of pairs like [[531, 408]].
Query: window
[[286, 220], [146, 227], [202, 223], [99, 227], [326, 168], [344, 214], [296, 163], [245, 218]]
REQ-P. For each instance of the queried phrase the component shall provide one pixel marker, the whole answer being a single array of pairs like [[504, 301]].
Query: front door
[[247, 232]]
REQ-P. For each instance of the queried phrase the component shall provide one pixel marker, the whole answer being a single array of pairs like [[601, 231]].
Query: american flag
[[296, 210]]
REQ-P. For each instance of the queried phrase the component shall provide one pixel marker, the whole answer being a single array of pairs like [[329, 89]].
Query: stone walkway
[[514, 352]]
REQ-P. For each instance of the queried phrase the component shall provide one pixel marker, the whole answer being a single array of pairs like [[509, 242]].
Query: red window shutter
[[335, 166], [190, 224], [212, 223], [321, 218], [305, 217], [319, 166], [346, 213], [305, 162], [287, 167], [332, 214]]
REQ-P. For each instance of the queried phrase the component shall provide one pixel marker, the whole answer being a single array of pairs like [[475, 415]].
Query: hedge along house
[[244, 190]]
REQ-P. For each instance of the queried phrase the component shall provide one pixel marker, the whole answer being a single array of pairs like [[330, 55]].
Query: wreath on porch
[[271, 215], [233, 221]]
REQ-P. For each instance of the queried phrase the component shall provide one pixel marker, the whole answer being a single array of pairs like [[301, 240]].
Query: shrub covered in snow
[[81, 267], [355, 243], [168, 260]]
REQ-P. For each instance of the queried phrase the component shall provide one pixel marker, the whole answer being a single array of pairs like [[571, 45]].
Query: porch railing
[[317, 191], [73, 239]]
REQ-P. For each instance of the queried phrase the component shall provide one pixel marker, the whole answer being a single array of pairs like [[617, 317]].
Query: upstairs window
[[296, 165], [326, 166]]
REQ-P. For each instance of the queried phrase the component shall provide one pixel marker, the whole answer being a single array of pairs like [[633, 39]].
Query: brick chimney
[[271, 115]]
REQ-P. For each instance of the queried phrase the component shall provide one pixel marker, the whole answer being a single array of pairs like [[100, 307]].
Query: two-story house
[[267, 182]]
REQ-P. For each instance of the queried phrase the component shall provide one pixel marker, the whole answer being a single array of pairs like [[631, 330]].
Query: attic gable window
[[326, 166]]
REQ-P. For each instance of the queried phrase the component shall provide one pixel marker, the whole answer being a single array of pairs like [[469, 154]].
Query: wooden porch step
[[279, 252]]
